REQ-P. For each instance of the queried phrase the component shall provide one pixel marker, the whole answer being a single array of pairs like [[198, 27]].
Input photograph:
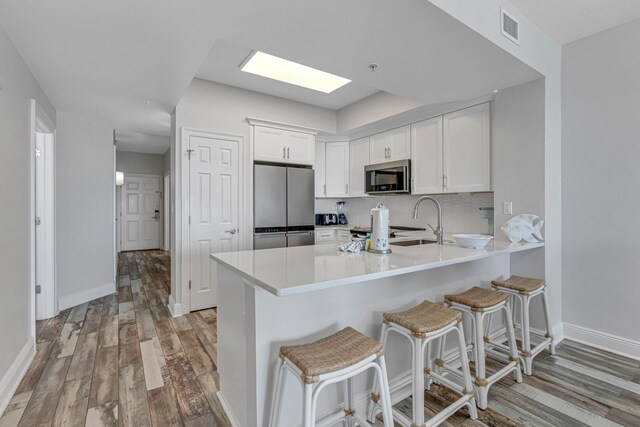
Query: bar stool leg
[[481, 380], [385, 395], [309, 416], [440, 360], [466, 374], [375, 390], [526, 335], [348, 391], [278, 390], [429, 367], [511, 337], [547, 318], [418, 382]]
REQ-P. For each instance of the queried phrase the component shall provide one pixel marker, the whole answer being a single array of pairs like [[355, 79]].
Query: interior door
[[213, 209], [141, 212]]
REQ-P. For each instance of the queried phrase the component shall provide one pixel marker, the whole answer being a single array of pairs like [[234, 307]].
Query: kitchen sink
[[413, 242]]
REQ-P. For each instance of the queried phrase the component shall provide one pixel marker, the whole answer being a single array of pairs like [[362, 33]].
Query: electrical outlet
[[507, 208]]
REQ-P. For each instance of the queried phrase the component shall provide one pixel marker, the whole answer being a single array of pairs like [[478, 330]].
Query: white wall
[[140, 163], [375, 107], [85, 209], [601, 176], [18, 89]]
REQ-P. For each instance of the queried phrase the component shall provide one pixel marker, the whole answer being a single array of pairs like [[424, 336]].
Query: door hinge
[[38, 152], [37, 221], [189, 153], [189, 284], [38, 289]]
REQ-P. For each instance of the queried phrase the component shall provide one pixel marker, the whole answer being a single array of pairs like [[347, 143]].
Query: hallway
[[123, 360]]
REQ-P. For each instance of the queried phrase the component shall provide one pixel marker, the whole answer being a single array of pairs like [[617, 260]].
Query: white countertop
[[289, 271]]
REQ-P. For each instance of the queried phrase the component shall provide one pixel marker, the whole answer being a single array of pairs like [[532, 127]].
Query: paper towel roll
[[380, 230]]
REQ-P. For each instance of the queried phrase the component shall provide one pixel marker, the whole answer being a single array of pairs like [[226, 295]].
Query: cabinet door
[[337, 169], [300, 148], [399, 143], [467, 150], [319, 167], [269, 144], [325, 236], [378, 148], [344, 236], [426, 156], [358, 159]]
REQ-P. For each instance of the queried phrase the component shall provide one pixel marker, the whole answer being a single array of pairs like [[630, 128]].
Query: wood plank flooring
[[122, 360]]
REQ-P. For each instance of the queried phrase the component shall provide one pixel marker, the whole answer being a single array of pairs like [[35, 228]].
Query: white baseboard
[[10, 381], [87, 295], [602, 340], [227, 410], [174, 308]]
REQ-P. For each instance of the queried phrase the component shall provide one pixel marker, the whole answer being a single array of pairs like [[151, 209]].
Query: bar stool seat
[[421, 325], [479, 303], [340, 350], [478, 299], [520, 284], [331, 360], [423, 318]]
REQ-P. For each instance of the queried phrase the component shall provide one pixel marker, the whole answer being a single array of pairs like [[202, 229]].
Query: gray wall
[[378, 106], [15, 217], [600, 179], [139, 163], [85, 205]]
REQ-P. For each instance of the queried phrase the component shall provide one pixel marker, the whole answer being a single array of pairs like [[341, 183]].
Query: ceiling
[[142, 142], [107, 59], [569, 20]]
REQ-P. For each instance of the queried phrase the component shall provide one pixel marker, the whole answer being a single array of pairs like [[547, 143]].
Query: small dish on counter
[[472, 241]]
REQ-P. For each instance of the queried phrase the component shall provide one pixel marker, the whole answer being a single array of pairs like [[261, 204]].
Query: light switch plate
[[507, 208]]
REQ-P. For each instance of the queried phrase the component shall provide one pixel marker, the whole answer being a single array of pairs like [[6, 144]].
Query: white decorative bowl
[[472, 241]]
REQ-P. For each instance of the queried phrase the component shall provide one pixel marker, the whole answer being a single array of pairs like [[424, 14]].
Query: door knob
[[232, 231]]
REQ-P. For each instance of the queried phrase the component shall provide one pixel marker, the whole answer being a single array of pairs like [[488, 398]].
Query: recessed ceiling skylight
[[272, 67]]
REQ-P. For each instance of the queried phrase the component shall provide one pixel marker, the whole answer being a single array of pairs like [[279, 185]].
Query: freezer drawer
[[269, 241], [301, 238]]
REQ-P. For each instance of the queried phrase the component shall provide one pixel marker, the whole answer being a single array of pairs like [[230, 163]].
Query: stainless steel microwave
[[389, 177]]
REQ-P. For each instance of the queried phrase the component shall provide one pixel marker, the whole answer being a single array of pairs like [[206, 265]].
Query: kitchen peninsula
[[269, 298]]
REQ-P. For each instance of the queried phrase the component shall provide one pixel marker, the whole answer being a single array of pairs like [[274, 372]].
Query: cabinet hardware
[[284, 152], [324, 189], [346, 188], [287, 152]]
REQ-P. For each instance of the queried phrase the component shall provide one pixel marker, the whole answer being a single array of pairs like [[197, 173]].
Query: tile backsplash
[[460, 212]]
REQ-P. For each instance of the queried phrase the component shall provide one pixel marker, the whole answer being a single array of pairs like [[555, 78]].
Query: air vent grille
[[510, 26]]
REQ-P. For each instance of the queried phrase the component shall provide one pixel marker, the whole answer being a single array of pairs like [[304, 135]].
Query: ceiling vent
[[510, 26]]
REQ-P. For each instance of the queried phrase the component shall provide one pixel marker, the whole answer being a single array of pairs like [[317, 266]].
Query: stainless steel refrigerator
[[283, 206]]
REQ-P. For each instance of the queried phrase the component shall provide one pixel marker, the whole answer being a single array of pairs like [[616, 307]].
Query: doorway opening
[[43, 235]]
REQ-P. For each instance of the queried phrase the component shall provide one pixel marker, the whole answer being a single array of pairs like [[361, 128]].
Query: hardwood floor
[[122, 360]]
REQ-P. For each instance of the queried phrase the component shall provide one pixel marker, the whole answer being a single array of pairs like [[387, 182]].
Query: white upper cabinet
[[391, 145], [320, 169], [337, 169], [467, 149], [358, 159], [283, 146], [427, 156]]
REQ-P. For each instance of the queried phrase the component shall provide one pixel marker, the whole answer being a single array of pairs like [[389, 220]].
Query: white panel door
[[426, 156], [337, 169], [467, 150], [140, 212], [213, 209], [358, 159]]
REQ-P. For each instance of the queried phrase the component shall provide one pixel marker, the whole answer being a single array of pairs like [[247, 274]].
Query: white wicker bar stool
[[478, 303], [421, 325], [523, 289], [336, 358]]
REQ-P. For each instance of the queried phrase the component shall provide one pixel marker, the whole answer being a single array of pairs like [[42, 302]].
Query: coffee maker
[[342, 218]]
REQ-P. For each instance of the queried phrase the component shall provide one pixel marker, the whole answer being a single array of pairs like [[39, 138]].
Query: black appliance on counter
[[326, 219]]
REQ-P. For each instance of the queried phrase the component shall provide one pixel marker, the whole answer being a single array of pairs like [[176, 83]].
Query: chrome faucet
[[438, 231]]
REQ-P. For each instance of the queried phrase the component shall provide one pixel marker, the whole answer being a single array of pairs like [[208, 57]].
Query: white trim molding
[[9, 383], [87, 295], [174, 308], [602, 340], [227, 410], [278, 125]]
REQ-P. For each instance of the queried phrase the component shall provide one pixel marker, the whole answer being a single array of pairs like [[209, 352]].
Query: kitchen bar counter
[[288, 296], [289, 271]]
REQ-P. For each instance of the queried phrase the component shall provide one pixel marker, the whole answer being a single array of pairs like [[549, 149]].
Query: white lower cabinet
[[332, 235]]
